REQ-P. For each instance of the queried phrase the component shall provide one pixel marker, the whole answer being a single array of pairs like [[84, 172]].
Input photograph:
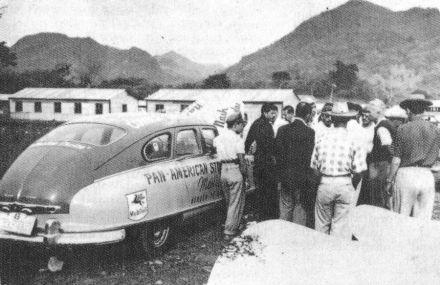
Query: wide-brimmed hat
[[340, 110], [395, 112], [415, 99], [327, 108]]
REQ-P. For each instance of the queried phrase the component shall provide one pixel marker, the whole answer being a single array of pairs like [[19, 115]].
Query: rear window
[[94, 134]]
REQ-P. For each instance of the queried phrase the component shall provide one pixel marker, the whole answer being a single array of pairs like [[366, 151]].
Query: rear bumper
[[95, 238]]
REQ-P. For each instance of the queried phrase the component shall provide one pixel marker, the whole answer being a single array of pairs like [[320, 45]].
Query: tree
[[345, 76], [217, 81], [7, 58], [280, 79]]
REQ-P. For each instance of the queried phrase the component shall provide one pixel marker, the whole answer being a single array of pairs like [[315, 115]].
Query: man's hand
[[389, 188], [253, 148]]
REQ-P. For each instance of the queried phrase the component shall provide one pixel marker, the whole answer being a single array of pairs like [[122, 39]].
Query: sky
[[205, 31]]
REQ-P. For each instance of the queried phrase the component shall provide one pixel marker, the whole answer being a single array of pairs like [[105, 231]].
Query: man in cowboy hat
[[340, 160], [396, 115], [410, 181], [324, 121]]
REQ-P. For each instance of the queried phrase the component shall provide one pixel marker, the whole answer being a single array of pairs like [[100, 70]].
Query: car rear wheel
[[158, 236]]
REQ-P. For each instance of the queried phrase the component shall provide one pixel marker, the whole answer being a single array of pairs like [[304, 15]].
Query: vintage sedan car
[[97, 179]]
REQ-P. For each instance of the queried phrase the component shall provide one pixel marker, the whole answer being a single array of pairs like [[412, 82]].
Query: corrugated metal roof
[[4, 97], [68, 93], [246, 95]]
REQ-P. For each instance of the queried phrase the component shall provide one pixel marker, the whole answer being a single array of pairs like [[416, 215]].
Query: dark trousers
[[266, 192], [365, 195]]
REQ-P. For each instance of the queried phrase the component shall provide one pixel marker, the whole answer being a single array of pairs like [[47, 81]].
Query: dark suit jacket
[[261, 131], [294, 146]]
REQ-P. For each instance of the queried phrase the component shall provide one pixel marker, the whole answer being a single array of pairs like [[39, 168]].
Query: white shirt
[[228, 145], [277, 124], [368, 136], [362, 135], [384, 135]]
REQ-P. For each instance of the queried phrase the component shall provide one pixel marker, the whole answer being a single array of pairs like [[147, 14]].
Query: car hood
[[49, 175]]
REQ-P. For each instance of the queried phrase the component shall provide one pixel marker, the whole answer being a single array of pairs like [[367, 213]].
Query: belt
[[417, 165], [342, 175], [234, 161]]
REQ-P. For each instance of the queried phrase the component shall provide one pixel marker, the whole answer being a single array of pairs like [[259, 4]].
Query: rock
[[206, 269], [54, 264], [159, 282], [158, 262]]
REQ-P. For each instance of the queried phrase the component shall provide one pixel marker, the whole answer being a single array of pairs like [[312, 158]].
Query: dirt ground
[[189, 261]]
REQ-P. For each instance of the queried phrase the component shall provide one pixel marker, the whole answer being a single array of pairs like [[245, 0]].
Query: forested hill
[[388, 47], [87, 57]]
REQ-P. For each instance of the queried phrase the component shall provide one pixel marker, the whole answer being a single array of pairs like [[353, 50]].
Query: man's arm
[[250, 137], [242, 164], [385, 139], [395, 163]]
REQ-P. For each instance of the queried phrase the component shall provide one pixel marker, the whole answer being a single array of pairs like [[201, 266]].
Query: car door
[[194, 168], [212, 182]]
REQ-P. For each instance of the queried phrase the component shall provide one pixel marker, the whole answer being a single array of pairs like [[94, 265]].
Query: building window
[[124, 108], [37, 107], [57, 107], [78, 109], [19, 106], [160, 108], [98, 108], [183, 107]]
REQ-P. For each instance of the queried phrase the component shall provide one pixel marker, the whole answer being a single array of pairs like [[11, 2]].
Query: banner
[[215, 110]]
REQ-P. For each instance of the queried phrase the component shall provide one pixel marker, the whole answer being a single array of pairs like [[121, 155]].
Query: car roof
[[147, 122]]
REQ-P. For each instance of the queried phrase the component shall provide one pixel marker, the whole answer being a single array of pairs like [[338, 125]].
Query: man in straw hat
[[410, 181], [396, 115], [230, 149], [340, 160], [324, 120]]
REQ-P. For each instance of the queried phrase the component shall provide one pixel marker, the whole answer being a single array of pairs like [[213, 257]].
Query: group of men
[[349, 155]]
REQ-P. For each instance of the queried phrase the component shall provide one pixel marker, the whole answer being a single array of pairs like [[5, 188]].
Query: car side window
[[208, 136], [158, 147], [186, 143]]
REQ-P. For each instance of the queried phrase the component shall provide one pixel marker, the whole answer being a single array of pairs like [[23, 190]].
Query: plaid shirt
[[336, 153]]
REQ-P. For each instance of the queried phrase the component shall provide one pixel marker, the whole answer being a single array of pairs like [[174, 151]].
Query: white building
[[176, 100], [63, 104], [4, 104]]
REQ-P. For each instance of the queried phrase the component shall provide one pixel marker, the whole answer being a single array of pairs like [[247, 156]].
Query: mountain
[[180, 66], [380, 41], [45, 50]]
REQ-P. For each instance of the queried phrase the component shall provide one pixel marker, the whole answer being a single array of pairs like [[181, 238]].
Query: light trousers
[[232, 186], [414, 192], [333, 204]]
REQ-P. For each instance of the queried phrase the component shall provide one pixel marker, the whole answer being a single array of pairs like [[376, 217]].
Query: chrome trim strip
[[26, 205], [96, 238]]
